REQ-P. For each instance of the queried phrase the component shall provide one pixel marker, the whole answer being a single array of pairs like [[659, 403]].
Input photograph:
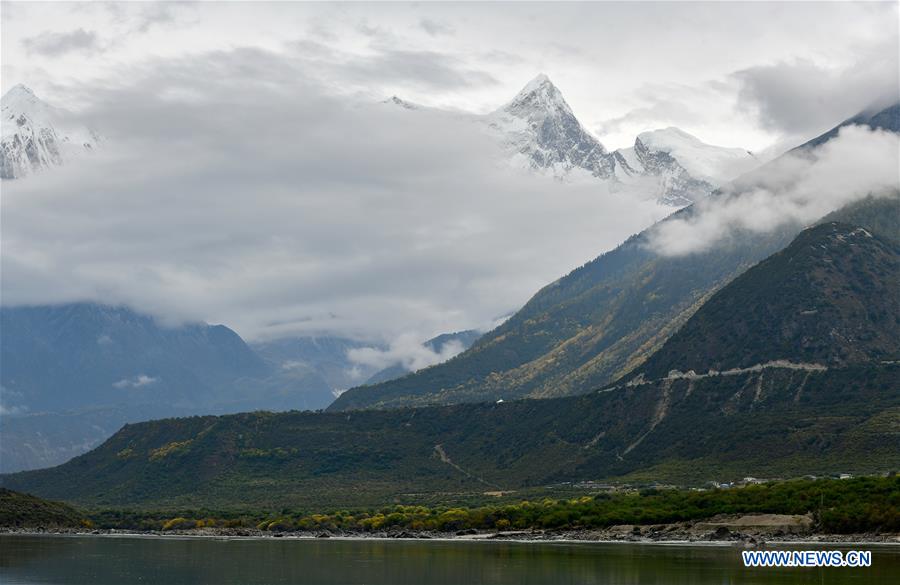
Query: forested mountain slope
[[782, 418], [597, 323]]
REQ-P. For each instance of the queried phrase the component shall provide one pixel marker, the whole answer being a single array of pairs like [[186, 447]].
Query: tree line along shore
[[779, 510]]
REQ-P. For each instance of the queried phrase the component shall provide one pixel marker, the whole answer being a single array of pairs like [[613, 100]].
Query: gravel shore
[[746, 530]]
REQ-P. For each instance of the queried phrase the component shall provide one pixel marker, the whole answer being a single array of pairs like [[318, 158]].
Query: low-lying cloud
[[232, 188], [798, 188], [406, 350], [55, 44], [802, 98], [135, 382]]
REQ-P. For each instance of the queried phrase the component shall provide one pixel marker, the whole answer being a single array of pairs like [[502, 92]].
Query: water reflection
[[121, 561]]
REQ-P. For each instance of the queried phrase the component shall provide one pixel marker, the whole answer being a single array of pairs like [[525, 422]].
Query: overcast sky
[[736, 74], [257, 180]]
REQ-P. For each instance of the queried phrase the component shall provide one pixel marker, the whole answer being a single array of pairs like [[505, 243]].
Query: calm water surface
[[172, 561]]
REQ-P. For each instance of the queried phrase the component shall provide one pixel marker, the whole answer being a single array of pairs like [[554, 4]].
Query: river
[[103, 560]]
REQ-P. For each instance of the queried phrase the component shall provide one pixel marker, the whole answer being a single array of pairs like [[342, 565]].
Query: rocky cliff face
[[680, 168], [540, 129], [540, 132]]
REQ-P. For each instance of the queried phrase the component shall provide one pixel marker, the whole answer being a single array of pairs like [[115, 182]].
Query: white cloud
[[7, 398], [135, 382], [797, 188], [54, 44], [802, 99], [12, 410], [636, 62], [406, 350], [266, 202]]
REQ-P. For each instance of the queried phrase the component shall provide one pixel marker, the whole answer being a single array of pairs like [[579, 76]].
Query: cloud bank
[[55, 44], [236, 188], [625, 67], [406, 350], [798, 188], [135, 382], [802, 98]]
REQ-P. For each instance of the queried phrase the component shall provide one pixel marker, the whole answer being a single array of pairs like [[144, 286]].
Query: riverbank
[[748, 530]]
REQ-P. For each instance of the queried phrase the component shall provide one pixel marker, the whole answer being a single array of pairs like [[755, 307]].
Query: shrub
[[179, 523]]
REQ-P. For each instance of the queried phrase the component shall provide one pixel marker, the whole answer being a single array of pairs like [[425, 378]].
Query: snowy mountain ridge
[[37, 136], [716, 164], [537, 130], [540, 132]]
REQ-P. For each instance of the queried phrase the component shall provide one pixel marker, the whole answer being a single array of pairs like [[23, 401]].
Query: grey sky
[[707, 67], [798, 188], [257, 180], [273, 204], [54, 44]]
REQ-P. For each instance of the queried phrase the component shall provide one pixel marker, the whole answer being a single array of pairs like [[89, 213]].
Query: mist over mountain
[[585, 330], [443, 347], [73, 374], [37, 136], [540, 126], [829, 299], [687, 169], [877, 118], [604, 319], [327, 356], [787, 415], [337, 277], [539, 131], [849, 163], [362, 239]]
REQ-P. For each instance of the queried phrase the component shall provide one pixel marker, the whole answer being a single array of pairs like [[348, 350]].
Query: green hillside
[[605, 318], [781, 420], [831, 298], [598, 323], [19, 510], [780, 424], [580, 332]]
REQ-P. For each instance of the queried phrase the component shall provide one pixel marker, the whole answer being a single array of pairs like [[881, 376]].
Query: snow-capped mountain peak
[[682, 167], [20, 97], [539, 98], [20, 106], [542, 132], [36, 135], [716, 164]]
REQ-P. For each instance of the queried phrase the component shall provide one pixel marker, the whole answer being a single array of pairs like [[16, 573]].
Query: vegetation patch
[[173, 448], [18, 510], [848, 506]]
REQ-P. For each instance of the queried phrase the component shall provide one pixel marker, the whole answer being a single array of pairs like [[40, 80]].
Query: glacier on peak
[[36, 135], [715, 164], [539, 132], [540, 128], [539, 98]]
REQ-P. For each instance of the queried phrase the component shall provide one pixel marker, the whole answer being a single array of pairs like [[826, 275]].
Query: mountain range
[[809, 408], [592, 326], [441, 345], [58, 410], [73, 374], [539, 131]]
